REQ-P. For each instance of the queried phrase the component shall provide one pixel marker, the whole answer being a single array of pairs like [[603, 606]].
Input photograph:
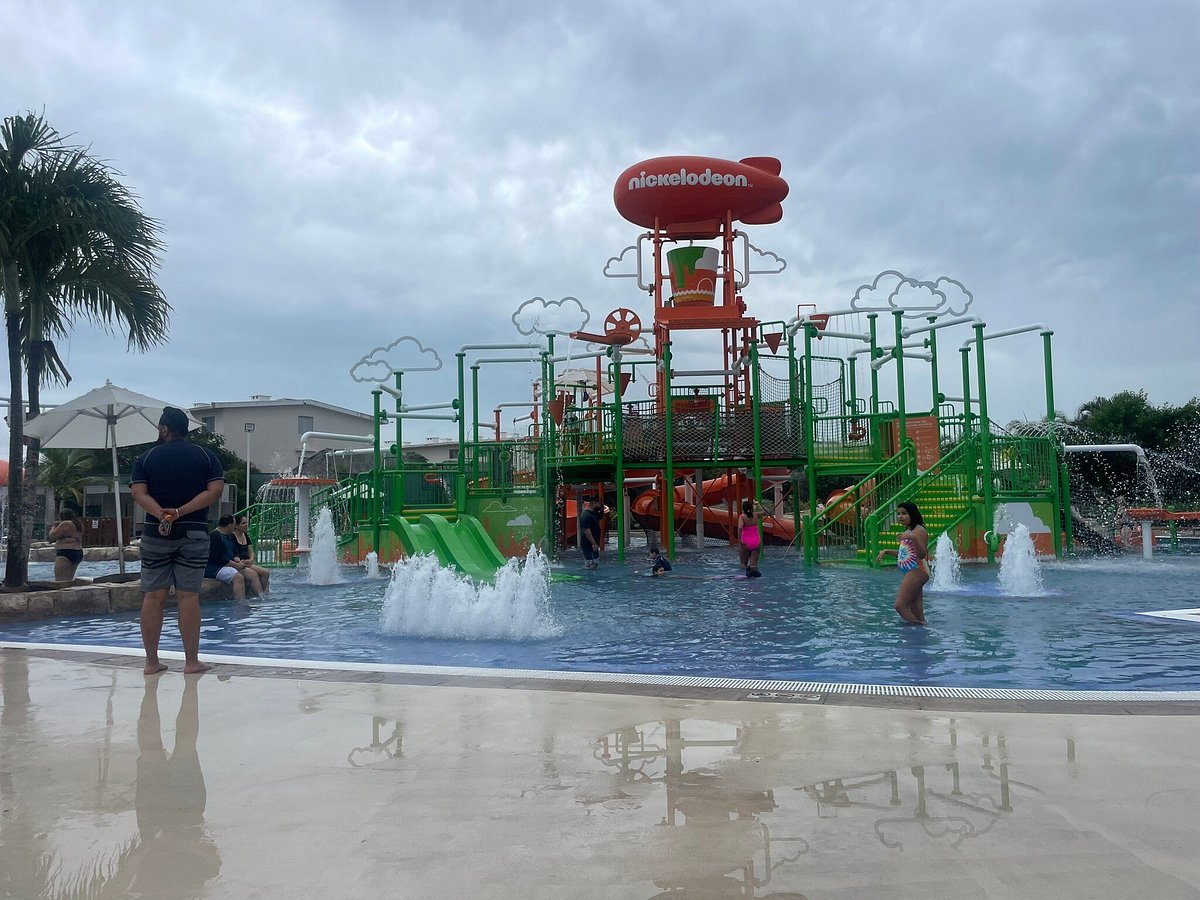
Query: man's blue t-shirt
[[174, 472]]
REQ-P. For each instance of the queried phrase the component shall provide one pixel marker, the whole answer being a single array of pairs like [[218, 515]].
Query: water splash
[[947, 575], [426, 600], [372, 564], [1020, 573], [322, 559]]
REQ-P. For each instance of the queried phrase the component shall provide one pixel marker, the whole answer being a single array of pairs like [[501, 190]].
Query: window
[[305, 423], [454, 453], [209, 424]]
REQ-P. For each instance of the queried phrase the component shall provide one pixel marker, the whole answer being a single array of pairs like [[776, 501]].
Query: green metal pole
[[853, 385], [755, 416], [871, 317], [1056, 503], [898, 353], [376, 396], [475, 403], [796, 416], [810, 451], [619, 440], [985, 446], [398, 499], [460, 481], [551, 454], [969, 463], [933, 368], [399, 421], [1049, 364], [668, 498], [966, 378]]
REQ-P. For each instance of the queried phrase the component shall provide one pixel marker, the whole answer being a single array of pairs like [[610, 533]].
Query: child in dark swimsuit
[[659, 564]]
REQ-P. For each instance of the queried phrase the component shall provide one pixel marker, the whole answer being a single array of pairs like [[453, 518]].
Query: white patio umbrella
[[104, 419]]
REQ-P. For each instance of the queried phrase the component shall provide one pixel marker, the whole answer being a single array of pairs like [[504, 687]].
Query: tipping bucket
[[693, 275]]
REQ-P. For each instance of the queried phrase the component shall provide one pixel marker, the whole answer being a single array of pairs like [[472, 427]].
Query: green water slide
[[463, 544]]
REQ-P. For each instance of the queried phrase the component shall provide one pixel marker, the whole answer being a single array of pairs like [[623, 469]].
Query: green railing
[[1023, 468], [273, 533], [839, 533], [502, 465], [942, 493]]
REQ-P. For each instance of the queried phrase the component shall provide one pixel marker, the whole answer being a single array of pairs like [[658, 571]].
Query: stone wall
[[90, 599], [45, 553]]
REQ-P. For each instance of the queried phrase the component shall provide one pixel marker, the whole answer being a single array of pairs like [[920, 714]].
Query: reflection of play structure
[[691, 397], [725, 796]]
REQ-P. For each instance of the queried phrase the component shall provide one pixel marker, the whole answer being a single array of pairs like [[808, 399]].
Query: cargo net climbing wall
[[781, 426]]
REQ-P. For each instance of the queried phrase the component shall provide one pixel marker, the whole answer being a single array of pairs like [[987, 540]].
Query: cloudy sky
[[334, 175]]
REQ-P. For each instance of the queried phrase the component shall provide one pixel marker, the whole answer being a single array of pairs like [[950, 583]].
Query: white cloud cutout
[[405, 354], [771, 263], [891, 290], [538, 316], [618, 267], [1010, 515], [521, 521]]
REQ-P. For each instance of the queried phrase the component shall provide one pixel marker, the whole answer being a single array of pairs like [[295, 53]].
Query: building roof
[[260, 402]]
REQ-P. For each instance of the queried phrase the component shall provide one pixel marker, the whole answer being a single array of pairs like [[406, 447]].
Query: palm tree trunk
[[16, 568], [33, 453]]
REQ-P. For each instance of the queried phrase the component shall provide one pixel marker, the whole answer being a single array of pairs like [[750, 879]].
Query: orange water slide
[[719, 520]]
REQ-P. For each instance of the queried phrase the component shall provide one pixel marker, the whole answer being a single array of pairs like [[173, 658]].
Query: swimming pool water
[[831, 624]]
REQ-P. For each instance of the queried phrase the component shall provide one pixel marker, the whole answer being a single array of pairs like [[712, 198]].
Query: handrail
[[947, 466], [866, 489]]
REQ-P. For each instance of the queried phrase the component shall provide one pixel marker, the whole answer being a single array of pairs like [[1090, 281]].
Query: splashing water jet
[[946, 566], [372, 564], [1020, 572], [322, 559], [426, 600]]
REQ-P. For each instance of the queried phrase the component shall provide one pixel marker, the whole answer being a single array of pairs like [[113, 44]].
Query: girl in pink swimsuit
[[911, 561], [749, 540]]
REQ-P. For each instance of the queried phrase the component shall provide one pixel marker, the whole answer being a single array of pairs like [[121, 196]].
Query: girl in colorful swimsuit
[[749, 540], [912, 563]]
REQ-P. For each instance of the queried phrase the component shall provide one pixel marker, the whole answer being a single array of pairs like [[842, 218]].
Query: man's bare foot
[[195, 668], [154, 668]]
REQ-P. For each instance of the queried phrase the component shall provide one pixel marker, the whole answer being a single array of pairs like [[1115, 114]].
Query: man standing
[[175, 482], [589, 533]]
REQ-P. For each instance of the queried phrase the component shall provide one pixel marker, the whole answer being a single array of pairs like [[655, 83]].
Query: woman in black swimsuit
[[67, 535]]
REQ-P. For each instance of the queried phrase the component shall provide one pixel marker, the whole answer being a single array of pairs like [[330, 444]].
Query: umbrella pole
[[112, 430]]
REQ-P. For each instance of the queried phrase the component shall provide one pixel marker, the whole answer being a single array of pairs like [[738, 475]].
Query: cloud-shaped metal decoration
[[616, 267], [773, 263], [538, 316], [405, 354], [892, 290]]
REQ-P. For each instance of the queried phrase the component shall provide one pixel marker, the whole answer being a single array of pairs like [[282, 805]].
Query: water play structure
[[679, 404]]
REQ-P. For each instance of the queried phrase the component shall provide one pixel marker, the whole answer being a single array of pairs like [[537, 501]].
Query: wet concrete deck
[[260, 782]]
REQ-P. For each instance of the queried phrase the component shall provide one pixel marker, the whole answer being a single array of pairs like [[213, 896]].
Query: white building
[[267, 431]]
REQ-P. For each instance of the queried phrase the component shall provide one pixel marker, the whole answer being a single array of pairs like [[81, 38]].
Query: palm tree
[[66, 473], [73, 244], [97, 268]]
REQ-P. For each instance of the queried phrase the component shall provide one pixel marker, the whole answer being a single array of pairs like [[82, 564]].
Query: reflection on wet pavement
[[696, 769], [318, 787]]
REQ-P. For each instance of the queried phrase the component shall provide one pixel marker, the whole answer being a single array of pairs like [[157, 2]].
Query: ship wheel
[[624, 322]]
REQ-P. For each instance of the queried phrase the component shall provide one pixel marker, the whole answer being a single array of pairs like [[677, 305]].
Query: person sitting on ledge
[[221, 564], [258, 577]]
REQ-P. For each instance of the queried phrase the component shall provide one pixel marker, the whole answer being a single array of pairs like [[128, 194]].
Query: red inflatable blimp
[[694, 194]]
